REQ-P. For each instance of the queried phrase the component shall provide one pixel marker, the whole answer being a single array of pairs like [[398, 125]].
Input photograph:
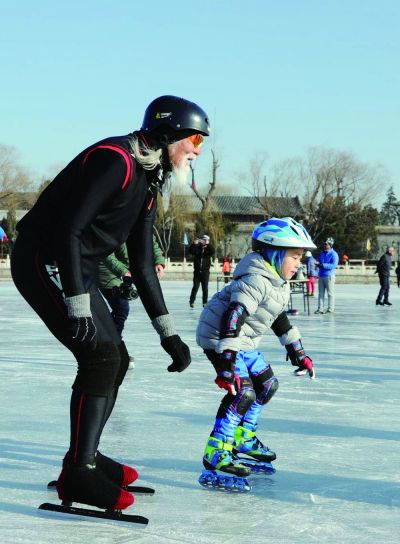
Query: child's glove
[[178, 351], [226, 377], [295, 352]]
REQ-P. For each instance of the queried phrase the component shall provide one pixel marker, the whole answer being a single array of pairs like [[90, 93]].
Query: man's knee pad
[[266, 385], [124, 364], [97, 370]]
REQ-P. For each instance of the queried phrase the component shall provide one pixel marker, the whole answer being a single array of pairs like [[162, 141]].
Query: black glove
[[178, 351], [83, 332], [127, 290], [297, 356], [226, 377]]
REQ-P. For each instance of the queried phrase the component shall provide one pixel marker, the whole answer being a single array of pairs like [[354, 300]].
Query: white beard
[[181, 172]]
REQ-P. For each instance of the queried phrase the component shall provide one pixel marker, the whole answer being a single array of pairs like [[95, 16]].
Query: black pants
[[38, 282], [203, 278], [384, 290], [101, 371], [119, 307]]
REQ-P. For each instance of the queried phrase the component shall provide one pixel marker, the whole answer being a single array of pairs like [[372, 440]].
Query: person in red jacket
[[105, 196], [226, 268]]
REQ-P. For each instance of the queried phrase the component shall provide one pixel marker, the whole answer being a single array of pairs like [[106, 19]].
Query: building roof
[[243, 205]]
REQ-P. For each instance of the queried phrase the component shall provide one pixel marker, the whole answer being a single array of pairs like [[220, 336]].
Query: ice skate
[[120, 474], [247, 443], [218, 457], [300, 372], [89, 485]]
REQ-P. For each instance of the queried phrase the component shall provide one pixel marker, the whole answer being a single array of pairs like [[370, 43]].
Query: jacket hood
[[254, 263]]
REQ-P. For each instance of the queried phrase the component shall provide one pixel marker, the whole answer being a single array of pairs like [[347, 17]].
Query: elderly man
[[105, 196], [327, 264], [383, 270]]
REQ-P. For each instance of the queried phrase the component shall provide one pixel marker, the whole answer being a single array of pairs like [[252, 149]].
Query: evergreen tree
[[390, 210], [351, 225]]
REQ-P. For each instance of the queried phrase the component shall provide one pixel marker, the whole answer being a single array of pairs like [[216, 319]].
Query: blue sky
[[274, 76]]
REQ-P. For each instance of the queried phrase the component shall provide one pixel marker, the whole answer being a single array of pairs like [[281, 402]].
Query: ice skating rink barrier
[[356, 271]]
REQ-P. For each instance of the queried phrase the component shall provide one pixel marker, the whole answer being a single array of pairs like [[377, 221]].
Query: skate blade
[[114, 516], [256, 467], [210, 479], [311, 373]]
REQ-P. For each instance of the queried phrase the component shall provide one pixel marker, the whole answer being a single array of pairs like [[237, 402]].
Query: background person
[[226, 268], [397, 271], [202, 252], [327, 263], [116, 284], [312, 273], [383, 269]]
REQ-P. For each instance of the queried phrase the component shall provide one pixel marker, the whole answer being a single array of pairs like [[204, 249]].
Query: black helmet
[[175, 118]]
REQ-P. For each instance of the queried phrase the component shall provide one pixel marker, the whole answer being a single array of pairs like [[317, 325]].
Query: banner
[[185, 239]]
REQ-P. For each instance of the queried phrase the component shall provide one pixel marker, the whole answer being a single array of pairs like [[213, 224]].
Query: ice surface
[[337, 438]]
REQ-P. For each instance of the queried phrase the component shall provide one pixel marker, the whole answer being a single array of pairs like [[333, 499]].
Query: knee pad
[[240, 402], [243, 400], [266, 385], [124, 364], [98, 370]]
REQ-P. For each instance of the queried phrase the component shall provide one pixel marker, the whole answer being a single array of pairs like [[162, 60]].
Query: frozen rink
[[337, 439]]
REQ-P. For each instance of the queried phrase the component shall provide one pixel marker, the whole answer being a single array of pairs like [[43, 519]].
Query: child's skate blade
[[211, 479], [256, 467]]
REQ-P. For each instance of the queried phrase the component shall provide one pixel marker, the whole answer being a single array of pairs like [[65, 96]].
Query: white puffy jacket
[[263, 293]]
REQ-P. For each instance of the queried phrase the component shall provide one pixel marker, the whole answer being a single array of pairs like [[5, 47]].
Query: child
[[312, 273], [229, 330], [397, 271], [226, 268]]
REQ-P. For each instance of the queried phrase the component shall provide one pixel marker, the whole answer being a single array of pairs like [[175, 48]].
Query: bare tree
[[170, 221], [272, 186], [323, 179], [206, 199], [14, 177], [329, 176]]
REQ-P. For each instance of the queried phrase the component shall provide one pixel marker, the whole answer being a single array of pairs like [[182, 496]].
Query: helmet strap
[[275, 257]]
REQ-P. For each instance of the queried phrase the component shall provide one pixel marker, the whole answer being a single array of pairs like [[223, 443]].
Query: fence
[[355, 271], [354, 265]]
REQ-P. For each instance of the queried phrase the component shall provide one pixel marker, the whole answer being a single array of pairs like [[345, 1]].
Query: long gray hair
[[148, 158]]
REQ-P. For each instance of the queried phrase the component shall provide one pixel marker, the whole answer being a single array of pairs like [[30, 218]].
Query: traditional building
[[387, 235], [244, 211]]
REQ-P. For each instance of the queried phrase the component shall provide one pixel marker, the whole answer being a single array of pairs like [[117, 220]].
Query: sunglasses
[[196, 139]]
